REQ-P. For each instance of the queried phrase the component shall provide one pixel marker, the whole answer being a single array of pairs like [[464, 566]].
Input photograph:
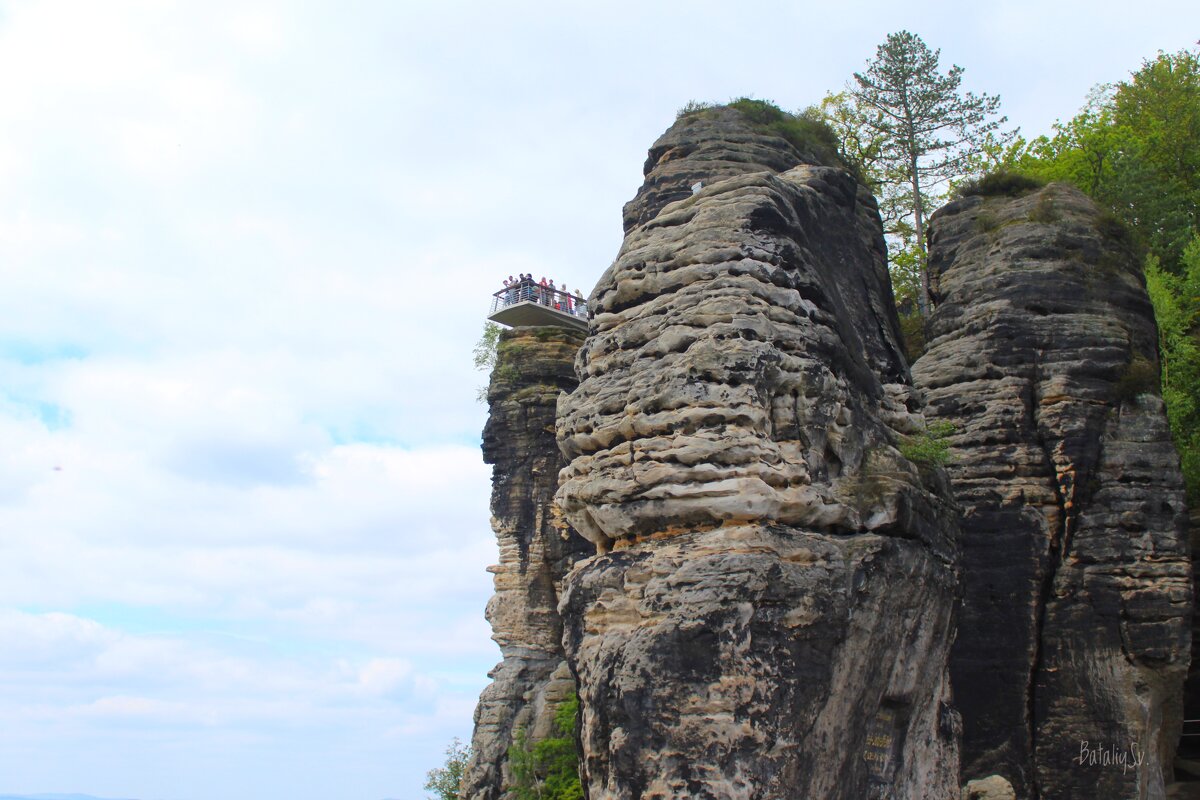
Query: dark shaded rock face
[[1074, 633], [536, 550], [1189, 746], [770, 611]]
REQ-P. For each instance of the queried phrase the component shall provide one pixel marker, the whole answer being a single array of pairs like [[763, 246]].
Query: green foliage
[[912, 329], [929, 448], [484, 353], [905, 268], [1140, 377], [808, 131], [1044, 210], [446, 781], [987, 222], [1135, 148], [1111, 226], [1176, 300], [1001, 183], [923, 132], [692, 107], [548, 769], [859, 146]]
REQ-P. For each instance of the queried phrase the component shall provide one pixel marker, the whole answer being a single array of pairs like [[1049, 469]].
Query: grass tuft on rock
[[1002, 183], [931, 447], [808, 133]]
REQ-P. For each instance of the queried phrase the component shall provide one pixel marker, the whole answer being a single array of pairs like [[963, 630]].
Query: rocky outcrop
[[1074, 633], [992, 787], [770, 610], [536, 549], [706, 147]]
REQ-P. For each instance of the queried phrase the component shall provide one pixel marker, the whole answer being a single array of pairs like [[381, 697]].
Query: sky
[[245, 251]]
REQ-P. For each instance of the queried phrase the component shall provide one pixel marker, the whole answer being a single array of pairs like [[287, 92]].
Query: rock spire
[[1074, 634], [770, 611]]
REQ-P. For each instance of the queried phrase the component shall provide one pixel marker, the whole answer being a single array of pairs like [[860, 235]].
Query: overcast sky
[[245, 250]]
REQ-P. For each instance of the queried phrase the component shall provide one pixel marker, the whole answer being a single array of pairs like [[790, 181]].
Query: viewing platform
[[525, 304]]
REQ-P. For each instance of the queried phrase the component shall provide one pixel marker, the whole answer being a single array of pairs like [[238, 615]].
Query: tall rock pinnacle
[[1073, 638], [536, 549], [771, 607]]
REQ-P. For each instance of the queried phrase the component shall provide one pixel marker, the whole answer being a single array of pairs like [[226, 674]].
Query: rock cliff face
[[770, 610], [536, 550], [1074, 634]]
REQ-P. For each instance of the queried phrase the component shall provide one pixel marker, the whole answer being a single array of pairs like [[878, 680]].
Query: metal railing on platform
[[530, 292]]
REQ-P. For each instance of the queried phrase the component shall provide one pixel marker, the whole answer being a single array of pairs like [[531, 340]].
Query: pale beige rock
[[991, 788]]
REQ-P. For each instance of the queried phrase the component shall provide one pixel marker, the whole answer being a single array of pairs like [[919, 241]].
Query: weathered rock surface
[[1189, 746], [1074, 634], [703, 148], [770, 611], [992, 787], [536, 550]]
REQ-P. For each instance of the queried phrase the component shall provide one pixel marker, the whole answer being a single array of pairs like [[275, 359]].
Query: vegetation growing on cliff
[[484, 354], [548, 769], [445, 781], [1001, 183], [931, 447], [1176, 301], [808, 131]]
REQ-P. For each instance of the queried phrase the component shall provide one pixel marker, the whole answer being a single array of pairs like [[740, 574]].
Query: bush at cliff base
[[549, 769]]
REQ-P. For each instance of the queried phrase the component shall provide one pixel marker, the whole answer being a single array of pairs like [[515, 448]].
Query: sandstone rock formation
[[536, 550], [770, 611], [1074, 635], [992, 787]]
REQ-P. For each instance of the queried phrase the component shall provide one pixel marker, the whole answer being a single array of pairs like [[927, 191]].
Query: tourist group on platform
[[523, 289]]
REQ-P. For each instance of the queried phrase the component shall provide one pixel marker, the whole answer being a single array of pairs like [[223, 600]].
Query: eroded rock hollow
[[771, 607], [1074, 635], [536, 549]]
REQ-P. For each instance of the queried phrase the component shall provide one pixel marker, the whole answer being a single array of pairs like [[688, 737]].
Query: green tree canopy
[[1176, 300], [1134, 147], [916, 131], [445, 781], [548, 769]]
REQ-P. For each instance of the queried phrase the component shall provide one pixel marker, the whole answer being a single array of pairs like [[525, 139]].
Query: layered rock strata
[[537, 548], [1074, 634], [770, 610]]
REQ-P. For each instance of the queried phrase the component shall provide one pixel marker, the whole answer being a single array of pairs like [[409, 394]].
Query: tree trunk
[[922, 256]]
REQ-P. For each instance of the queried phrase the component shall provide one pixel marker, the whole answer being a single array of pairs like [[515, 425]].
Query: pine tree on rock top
[[926, 128]]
